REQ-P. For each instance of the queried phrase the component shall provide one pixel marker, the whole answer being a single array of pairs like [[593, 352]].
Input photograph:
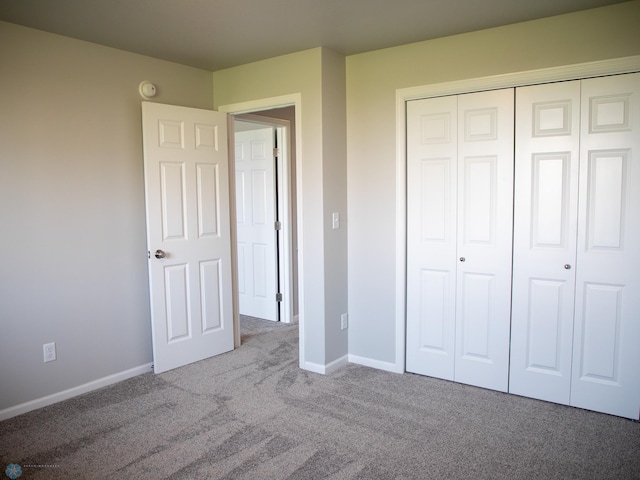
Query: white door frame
[[518, 79], [255, 107], [284, 239]]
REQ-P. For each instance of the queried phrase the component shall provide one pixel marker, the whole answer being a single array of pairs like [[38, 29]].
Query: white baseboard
[[337, 364], [325, 369], [313, 367], [73, 392], [369, 362]]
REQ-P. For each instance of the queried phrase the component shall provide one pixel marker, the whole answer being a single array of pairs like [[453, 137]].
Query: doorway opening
[[266, 227]]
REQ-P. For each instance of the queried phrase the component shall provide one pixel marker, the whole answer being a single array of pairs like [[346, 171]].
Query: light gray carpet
[[253, 414]]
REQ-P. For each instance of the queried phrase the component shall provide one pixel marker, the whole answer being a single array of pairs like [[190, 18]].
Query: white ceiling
[[215, 34]]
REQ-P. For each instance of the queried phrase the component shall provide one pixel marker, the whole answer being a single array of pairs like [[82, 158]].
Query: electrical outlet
[[344, 321], [49, 350]]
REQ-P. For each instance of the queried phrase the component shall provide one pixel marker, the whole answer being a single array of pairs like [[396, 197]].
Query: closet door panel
[[431, 236], [485, 212], [545, 225], [606, 356], [474, 321]]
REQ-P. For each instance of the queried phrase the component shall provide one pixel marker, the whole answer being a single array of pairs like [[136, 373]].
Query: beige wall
[[372, 80], [73, 243]]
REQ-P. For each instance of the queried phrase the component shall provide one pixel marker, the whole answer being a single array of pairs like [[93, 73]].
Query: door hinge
[[278, 297], [277, 225], [276, 152]]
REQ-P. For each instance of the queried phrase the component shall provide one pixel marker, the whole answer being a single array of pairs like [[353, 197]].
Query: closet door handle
[[567, 266], [462, 259]]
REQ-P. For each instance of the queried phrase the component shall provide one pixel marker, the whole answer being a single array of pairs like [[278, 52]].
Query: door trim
[[517, 79], [256, 106]]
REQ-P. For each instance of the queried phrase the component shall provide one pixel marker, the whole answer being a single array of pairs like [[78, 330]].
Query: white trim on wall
[[331, 367], [377, 364], [74, 392], [517, 79]]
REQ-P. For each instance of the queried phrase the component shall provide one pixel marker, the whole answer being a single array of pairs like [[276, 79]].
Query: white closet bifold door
[[484, 247], [459, 232], [544, 250], [606, 352], [432, 152], [526, 278]]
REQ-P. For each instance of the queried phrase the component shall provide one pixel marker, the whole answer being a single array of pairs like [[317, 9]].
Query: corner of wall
[[334, 178]]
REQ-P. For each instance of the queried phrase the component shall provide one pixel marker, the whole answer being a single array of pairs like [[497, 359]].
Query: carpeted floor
[[253, 414]]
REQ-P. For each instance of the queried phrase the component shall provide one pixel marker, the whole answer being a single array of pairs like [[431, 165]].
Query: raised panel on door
[[178, 317], [431, 236], [484, 238], [211, 294], [173, 201], [546, 197], [255, 193], [606, 357], [207, 184]]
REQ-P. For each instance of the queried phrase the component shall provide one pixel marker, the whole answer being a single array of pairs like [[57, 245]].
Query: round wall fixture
[[147, 90]]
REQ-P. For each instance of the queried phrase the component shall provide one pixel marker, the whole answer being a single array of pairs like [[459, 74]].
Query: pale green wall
[[73, 243], [318, 76], [372, 80]]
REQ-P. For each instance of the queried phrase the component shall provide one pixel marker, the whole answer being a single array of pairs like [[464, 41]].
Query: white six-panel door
[[255, 207], [606, 353], [188, 233], [459, 220], [544, 251]]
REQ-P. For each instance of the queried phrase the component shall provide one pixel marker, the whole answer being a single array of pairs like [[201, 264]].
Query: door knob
[[462, 259], [159, 254], [567, 266]]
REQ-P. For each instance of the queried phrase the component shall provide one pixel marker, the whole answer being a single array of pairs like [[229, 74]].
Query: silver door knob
[[462, 259], [160, 254], [567, 266]]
